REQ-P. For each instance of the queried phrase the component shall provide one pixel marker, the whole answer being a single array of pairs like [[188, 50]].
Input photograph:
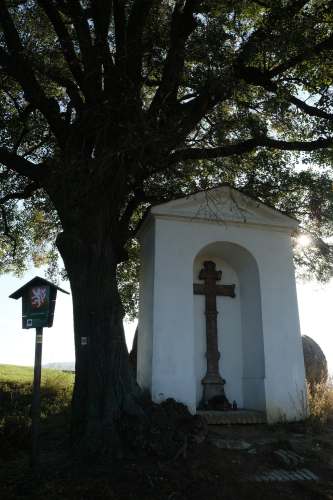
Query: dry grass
[[320, 400]]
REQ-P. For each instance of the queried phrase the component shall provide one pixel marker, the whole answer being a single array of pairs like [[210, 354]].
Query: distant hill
[[61, 365]]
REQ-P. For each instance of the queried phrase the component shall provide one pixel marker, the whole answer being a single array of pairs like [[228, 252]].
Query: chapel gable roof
[[224, 204]]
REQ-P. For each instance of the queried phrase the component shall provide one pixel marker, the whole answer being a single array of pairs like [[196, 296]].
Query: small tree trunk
[[104, 383]]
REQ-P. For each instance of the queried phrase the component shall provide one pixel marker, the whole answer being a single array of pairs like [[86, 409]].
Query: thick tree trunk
[[134, 352], [105, 387]]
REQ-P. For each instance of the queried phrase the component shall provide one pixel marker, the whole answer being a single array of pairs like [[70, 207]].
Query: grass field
[[16, 391], [15, 403], [13, 374]]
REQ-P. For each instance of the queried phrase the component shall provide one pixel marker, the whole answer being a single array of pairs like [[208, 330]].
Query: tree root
[[182, 452]]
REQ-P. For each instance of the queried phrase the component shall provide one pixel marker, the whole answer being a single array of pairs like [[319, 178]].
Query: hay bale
[[315, 361]]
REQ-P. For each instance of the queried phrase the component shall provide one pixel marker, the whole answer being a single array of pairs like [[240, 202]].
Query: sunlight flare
[[304, 240]]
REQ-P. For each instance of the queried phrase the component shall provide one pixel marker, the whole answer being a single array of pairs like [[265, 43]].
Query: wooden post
[[35, 407], [38, 303]]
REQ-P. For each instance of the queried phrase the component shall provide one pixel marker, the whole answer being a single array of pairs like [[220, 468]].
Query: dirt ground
[[228, 464]]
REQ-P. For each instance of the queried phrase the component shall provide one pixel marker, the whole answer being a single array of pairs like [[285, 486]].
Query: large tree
[[109, 106]]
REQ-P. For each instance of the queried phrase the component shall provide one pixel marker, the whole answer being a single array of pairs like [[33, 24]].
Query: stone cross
[[212, 382]]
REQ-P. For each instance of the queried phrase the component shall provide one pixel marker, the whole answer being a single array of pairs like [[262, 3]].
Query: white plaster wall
[[173, 347], [146, 307], [229, 329], [284, 362], [178, 241]]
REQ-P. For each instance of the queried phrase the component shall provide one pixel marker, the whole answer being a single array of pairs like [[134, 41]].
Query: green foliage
[[128, 279], [33, 226], [240, 71]]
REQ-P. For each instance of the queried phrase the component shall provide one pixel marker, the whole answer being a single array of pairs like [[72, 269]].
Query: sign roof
[[34, 282]]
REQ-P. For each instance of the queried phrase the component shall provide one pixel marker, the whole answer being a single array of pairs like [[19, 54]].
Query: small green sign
[[36, 306], [38, 302]]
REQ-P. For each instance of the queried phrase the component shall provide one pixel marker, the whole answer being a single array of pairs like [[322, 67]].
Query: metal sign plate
[[36, 306]]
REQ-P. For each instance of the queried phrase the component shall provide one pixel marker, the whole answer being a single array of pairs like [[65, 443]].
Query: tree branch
[[305, 54], [276, 15], [64, 39], [137, 198], [51, 73], [21, 166], [183, 24], [247, 146], [120, 32], [136, 24], [27, 192], [192, 112], [6, 229], [17, 66], [257, 77], [101, 14], [34, 148], [92, 76], [320, 143], [309, 110]]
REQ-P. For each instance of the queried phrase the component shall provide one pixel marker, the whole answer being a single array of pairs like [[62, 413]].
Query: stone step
[[285, 475], [233, 417]]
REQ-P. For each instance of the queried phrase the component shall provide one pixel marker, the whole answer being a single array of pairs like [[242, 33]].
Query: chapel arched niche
[[239, 325]]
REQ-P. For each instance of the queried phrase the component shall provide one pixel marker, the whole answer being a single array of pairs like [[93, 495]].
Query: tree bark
[[105, 386], [133, 355]]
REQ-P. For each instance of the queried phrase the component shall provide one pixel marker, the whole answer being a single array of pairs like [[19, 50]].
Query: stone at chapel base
[[314, 360]]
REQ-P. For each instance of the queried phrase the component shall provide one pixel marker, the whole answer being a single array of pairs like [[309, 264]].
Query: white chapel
[[218, 314]]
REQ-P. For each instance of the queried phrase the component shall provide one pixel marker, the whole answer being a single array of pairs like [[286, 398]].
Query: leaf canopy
[[138, 101]]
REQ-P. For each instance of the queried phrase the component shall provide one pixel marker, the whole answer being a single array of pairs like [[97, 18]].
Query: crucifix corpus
[[213, 383]]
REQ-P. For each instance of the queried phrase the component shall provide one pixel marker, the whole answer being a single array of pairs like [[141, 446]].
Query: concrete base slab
[[233, 417], [285, 475]]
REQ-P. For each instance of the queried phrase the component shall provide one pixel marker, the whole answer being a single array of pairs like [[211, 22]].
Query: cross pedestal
[[213, 383]]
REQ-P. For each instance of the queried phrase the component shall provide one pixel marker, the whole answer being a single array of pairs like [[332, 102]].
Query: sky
[[17, 345]]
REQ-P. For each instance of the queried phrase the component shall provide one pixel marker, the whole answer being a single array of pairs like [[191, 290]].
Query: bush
[[15, 407], [56, 395], [15, 433]]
